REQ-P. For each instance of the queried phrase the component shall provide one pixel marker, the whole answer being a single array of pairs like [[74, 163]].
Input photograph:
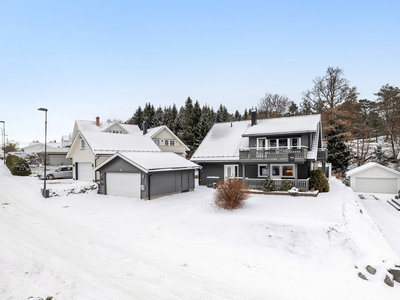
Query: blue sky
[[82, 59]]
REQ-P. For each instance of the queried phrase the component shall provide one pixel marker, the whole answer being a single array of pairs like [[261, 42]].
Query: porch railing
[[279, 154], [258, 182]]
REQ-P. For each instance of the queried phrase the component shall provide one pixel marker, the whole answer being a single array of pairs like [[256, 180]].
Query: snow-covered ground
[[89, 246]]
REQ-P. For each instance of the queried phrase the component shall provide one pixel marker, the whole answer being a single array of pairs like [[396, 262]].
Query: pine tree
[[237, 116], [187, 124], [148, 114], [245, 114], [381, 156], [137, 118], [158, 117], [338, 152]]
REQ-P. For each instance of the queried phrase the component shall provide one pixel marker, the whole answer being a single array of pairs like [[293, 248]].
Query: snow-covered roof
[[83, 125], [298, 124], [152, 132], [153, 161], [223, 142], [368, 166], [104, 143]]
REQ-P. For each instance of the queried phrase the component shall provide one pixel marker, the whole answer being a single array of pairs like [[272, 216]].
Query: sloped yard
[[89, 246]]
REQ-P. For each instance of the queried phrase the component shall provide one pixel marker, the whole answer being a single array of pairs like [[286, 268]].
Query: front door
[[231, 171]]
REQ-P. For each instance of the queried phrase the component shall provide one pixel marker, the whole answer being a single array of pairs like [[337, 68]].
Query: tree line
[[345, 117]]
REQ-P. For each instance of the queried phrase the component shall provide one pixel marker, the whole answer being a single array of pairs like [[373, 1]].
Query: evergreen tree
[[381, 156], [222, 114], [158, 117], [338, 152], [205, 123], [148, 114], [137, 118], [245, 114], [187, 124], [293, 110], [237, 116]]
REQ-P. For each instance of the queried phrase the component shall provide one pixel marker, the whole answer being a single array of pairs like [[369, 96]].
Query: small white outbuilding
[[374, 178]]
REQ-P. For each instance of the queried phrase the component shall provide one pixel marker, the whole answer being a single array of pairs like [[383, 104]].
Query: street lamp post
[[45, 192], [4, 140]]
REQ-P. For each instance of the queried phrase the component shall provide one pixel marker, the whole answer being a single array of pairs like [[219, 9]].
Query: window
[[272, 144], [169, 142], [283, 143], [231, 171], [263, 171], [288, 170], [157, 142], [82, 144], [260, 144], [275, 171], [295, 143]]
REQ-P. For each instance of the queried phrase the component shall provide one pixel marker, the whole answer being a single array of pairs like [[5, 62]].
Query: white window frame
[[263, 165], [82, 144], [269, 144], [294, 170], [298, 143], [280, 171], [169, 142], [157, 142], [226, 171], [258, 145]]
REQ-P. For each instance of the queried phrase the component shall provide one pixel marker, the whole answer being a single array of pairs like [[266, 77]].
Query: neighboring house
[[90, 148], [146, 175], [165, 139], [56, 153], [281, 148], [374, 178], [97, 126]]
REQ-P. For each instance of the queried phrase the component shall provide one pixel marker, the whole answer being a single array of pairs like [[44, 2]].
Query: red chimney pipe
[[97, 121]]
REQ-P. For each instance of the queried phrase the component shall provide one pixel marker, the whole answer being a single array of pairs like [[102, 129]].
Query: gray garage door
[[379, 185], [123, 184]]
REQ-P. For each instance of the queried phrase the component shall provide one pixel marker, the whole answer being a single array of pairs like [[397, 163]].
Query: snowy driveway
[[385, 216]]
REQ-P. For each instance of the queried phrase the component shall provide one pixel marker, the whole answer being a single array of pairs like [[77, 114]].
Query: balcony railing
[[299, 183], [322, 154], [281, 154]]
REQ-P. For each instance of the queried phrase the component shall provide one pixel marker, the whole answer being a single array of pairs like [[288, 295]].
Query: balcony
[[298, 155], [322, 154]]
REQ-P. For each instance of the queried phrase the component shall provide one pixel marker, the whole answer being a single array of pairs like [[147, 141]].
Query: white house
[[374, 178], [89, 149], [166, 140]]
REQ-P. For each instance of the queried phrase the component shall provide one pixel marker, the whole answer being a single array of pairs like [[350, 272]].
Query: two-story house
[[280, 148]]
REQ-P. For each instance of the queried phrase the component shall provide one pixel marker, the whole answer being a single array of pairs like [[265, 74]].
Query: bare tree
[[273, 106], [388, 104], [330, 90]]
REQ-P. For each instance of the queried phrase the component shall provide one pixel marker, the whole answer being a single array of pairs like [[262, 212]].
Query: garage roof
[[153, 161], [369, 166]]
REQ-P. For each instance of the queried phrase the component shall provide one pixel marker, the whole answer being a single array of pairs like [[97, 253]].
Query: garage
[[374, 178], [84, 171], [146, 175], [123, 184]]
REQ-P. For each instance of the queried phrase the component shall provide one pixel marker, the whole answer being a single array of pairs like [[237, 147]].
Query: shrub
[[21, 168], [18, 166], [268, 185], [286, 185], [318, 181], [231, 194]]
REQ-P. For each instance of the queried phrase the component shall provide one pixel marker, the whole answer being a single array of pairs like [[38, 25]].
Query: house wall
[[117, 128], [58, 159], [215, 169], [166, 135]]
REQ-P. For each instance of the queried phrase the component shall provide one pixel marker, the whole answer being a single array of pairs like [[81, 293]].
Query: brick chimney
[[97, 121]]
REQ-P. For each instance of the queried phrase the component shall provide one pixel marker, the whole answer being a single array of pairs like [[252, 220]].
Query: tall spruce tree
[[339, 154], [187, 124], [158, 117], [148, 114]]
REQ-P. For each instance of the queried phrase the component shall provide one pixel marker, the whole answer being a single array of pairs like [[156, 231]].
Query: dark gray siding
[[303, 171], [215, 169], [58, 160]]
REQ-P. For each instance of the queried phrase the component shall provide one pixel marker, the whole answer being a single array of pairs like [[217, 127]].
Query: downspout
[[95, 165], [148, 183]]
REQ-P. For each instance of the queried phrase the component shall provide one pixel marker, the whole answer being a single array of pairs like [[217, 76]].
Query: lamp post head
[[42, 109]]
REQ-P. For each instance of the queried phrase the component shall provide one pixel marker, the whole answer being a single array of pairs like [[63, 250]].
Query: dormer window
[[82, 144], [157, 142], [169, 142]]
